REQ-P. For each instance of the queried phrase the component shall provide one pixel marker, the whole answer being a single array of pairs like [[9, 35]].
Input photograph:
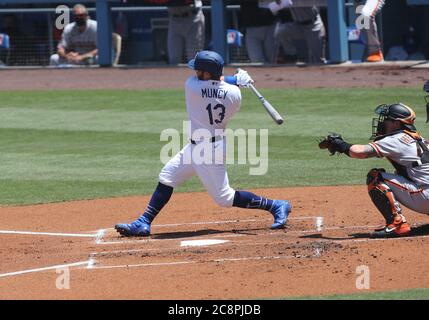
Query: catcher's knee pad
[[383, 198], [374, 177]]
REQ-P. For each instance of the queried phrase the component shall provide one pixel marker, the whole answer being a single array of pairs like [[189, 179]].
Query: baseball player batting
[[211, 101], [396, 138]]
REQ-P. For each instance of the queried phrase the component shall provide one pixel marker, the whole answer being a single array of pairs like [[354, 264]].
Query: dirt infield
[[155, 78], [325, 241], [318, 254]]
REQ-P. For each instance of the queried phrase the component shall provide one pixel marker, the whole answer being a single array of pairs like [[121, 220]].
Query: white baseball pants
[[212, 174]]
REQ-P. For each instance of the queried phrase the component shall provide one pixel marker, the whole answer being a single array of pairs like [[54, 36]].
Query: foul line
[[3, 275], [83, 235]]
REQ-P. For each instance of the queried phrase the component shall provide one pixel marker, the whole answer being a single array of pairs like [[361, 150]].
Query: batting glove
[[243, 79]]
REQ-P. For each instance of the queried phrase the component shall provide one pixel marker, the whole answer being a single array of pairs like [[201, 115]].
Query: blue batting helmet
[[209, 61]]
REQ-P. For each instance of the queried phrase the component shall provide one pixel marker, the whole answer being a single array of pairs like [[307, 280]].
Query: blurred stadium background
[[33, 36]]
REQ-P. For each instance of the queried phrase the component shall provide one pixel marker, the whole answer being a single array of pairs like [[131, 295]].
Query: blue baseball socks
[[160, 197], [249, 200], [280, 209]]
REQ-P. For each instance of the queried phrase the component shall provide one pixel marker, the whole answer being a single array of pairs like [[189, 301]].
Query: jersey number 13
[[220, 115]]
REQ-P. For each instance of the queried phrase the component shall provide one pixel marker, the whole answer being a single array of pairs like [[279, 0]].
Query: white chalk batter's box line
[[251, 243], [54, 267], [248, 243], [100, 233], [91, 263], [276, 233], [218, 260], [51, 234], [317, 254]]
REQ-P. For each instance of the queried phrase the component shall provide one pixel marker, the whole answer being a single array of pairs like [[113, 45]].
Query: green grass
[[66, 145], [412, 294]]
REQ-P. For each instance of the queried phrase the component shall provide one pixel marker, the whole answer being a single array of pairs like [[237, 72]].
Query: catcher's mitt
[[331, 142]]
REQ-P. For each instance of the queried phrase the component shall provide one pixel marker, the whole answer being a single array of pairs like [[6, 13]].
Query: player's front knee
[[374, 177], [166, 179]]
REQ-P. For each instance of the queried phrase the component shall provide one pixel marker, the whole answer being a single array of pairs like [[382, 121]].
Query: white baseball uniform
[[411, 187], [210, 105], [370, 10]]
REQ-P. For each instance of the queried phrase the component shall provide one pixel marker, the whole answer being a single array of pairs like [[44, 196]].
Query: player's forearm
[[62, 52], [360, 151]]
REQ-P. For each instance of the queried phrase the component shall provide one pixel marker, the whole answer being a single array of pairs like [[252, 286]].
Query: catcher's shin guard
[[382, 196]]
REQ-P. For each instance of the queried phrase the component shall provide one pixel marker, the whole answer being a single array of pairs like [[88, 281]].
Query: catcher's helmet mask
[[208, 61], [397, 112]]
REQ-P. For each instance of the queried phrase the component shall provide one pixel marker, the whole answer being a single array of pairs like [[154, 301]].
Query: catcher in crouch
[[396, 138]]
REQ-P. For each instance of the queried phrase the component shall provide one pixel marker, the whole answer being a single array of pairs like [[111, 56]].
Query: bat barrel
[[270, 109]]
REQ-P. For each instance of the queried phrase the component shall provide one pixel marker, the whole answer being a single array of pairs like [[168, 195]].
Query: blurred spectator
[[373, 45], [10, 26], [4, 49], [409, 49], [258, 17], [186, 30], [302, 23], [78, 43]]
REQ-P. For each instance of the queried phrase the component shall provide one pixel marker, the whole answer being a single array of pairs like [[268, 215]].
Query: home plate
[[196, 243]]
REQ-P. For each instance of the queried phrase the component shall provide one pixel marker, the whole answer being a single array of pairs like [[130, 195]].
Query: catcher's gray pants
[[185, 36], [260, 44], [408, 193], [313, 34]]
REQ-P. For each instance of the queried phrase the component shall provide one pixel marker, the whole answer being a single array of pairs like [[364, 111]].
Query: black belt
[[212, 139], [186, 14]]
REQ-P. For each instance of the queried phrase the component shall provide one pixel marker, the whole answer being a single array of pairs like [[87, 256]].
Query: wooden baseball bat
[[270, 109]]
